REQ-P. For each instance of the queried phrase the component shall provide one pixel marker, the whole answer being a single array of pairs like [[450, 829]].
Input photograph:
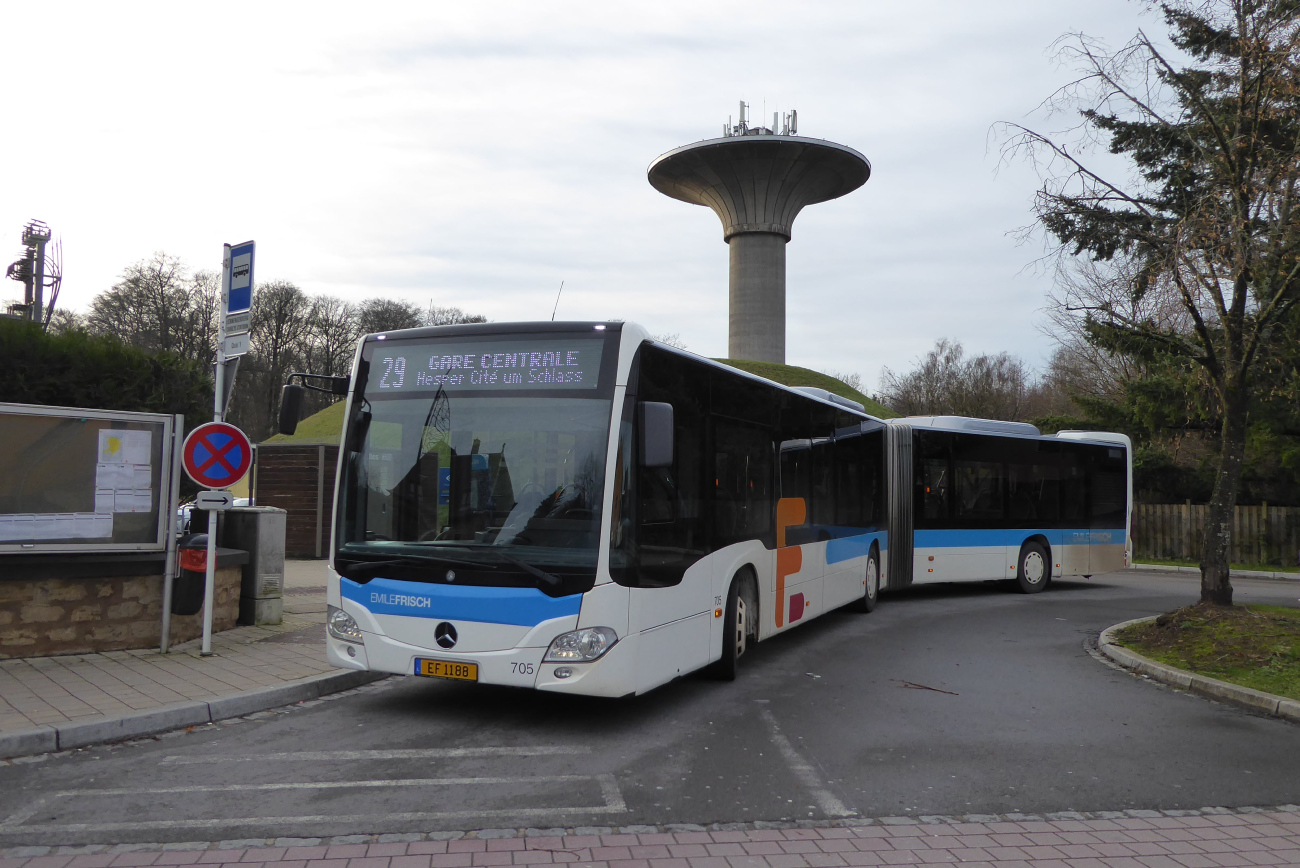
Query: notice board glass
[[83, 480]]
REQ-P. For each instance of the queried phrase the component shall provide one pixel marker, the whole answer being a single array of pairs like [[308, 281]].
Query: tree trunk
[[1216, 587]]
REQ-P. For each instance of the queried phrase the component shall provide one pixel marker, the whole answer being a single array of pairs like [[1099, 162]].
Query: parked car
[[185, 509]]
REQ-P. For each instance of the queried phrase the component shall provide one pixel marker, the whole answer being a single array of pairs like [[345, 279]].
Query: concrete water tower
[[757, 180]]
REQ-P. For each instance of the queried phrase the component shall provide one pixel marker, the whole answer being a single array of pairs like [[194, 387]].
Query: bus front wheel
[[1033, 572], [735, 635]]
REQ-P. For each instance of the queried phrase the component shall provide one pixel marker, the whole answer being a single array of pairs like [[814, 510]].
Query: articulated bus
[[575, 507]]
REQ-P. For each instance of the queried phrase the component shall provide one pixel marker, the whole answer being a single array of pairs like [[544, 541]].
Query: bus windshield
[[473, 486]]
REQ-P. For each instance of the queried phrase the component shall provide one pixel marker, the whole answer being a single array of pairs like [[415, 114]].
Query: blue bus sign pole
[[234, 322]]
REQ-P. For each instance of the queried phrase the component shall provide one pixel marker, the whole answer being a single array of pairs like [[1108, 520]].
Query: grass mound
[[793, 375], [1253, 646], [323, 427]]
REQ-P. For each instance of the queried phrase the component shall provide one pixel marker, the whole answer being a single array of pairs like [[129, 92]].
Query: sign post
[[232, 342], [215, 455]]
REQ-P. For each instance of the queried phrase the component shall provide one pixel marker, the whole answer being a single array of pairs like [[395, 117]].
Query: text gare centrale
[[493, 369], [573, 368]]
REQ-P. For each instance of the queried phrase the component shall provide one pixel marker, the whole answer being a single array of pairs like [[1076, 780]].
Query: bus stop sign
[[216, 455]]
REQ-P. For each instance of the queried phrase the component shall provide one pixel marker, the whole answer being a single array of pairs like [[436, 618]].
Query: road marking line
[[614, 804], [826, 800], [428, 753]]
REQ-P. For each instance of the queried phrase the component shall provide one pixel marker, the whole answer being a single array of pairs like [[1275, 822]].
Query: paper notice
[[40, 527], [16, 528], [114, 476], [132, 501], [122, 487], [120, 446], [93, 526]]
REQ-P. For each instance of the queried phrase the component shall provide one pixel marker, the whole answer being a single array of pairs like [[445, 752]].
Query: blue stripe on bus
[[936, 539], [524, 607], [849, 547]]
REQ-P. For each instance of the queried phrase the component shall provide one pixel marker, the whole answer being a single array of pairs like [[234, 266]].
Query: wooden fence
[[300, 480], [1176, 531]]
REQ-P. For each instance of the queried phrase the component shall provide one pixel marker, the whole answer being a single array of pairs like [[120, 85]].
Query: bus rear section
[[997, 500]]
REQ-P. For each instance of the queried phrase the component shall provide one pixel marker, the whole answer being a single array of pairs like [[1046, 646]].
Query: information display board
[[495, 364], [83, 480]]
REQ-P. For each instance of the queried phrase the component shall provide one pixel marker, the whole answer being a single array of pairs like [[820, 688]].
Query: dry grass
[[1253, 646]]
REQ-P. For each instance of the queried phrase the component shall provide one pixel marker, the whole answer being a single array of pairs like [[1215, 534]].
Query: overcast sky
[[477, 154]]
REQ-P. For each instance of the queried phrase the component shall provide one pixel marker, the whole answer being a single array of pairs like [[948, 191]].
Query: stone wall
[[77, 616]]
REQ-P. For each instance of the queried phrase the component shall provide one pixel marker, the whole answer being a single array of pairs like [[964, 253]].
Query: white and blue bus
[[578, 508]]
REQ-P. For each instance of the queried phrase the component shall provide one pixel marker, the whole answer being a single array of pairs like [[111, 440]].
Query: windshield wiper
[[553, 581], [408, 560]]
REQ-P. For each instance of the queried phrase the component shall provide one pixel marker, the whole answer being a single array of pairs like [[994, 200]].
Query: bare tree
[[945, 383], [852, 380], [444, 315], [280, 325], [388, 314], [672, 339], [158, 305], [331, 336]]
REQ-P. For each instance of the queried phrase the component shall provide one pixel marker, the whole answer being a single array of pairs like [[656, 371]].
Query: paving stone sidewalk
[[1207, 838], [51, 691]]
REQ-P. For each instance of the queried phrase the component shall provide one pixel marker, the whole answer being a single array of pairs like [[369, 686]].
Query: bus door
[[800, 542], [666, 541]]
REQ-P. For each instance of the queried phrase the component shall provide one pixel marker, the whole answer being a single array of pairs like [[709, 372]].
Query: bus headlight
[[581, 646], [343, 626]]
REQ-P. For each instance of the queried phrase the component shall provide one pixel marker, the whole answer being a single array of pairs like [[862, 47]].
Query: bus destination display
[[538, 363]]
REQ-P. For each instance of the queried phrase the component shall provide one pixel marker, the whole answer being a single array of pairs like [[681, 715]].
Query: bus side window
[[742, 480], [979, 491], [1074, 487], [932, 501], [933, 483], [853, 499], [1109, 485], [667, 533]]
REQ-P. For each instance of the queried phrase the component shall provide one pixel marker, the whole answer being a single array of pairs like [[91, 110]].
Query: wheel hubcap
[[1034, 568], [873, 579], [740, 626]]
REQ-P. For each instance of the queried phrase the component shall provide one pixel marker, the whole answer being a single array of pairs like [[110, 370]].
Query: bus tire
[[735, 635], [870, 584], [1033, 571]]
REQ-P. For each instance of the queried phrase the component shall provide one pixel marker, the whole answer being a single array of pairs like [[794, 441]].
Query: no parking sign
[[217, 455]]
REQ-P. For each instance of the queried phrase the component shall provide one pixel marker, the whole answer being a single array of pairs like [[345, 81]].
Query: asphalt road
[[954, 699]]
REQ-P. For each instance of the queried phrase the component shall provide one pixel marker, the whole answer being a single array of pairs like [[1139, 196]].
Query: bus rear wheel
[[1033, 572], [735, 635], [870, 584]]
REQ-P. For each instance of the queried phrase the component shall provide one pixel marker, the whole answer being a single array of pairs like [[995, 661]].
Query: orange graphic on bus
[[790, 512]]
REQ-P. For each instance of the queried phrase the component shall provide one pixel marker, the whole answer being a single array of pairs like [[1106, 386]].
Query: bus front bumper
[[612, 675]]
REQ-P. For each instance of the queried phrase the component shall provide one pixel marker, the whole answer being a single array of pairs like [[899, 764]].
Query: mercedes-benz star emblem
[[445, 635], [451, 575]]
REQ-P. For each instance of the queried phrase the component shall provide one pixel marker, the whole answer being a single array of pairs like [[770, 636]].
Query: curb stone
[[111, 728], [1211, 688], [1278, 575], [20, 852]]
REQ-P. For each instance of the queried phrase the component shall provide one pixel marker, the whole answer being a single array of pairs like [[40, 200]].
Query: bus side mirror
[[656, 434], [291, 407]]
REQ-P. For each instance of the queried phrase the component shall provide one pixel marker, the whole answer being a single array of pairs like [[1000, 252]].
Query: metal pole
[[210, 583], [173, 502], [218, 394]]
